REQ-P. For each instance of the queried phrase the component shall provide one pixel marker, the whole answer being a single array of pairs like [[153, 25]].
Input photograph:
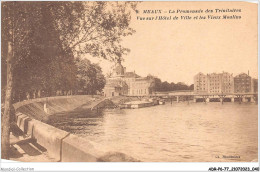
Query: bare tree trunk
[[5, 125]]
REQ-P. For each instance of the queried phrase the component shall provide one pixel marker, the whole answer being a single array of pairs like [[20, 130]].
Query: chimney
[[248, 73]]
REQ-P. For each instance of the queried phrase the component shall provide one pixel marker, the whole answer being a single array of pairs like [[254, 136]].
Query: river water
[[197, 132]]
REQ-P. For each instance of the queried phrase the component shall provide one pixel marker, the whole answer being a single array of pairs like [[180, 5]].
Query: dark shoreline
[[73, 120]]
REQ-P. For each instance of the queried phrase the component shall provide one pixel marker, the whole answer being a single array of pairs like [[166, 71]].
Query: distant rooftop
[[131, 75]]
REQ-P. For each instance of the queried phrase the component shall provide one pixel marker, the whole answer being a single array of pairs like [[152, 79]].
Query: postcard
[[129, 81]]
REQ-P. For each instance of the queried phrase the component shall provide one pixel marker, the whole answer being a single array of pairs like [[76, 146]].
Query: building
[[129, 78], [200, 83], [127, 83], [220, 83], [115, 87], [141, 86], [255, 85], [214, 83], [243, 83], [227, 83]]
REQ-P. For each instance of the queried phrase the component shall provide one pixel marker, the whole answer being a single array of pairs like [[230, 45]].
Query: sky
[[176, 50]]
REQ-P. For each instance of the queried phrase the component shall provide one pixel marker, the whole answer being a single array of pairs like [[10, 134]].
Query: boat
[[161, 102], [154, 100], [136, 104]]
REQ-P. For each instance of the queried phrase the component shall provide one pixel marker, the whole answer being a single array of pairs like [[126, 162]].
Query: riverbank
[[64, 104], [71, 121], [42, 140], [37, 140], [132, 131], [122, 99], [65, 112], [42, 108]]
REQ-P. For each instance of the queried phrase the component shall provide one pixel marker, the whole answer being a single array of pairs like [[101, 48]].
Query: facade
[[126, 83], [243, 83], [200, 83], [129, 78], [255, 85], [220, 83], [227, 83], [224, 83], [115, 87], [214, 83], [140, 86]]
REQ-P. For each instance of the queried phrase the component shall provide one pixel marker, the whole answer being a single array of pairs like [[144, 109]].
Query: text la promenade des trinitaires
[[182, 14]]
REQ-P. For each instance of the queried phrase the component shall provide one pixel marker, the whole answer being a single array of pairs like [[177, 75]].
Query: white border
[[142, 166]]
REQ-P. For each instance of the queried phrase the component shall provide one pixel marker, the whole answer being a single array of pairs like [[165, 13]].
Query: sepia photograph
[[129, 81]]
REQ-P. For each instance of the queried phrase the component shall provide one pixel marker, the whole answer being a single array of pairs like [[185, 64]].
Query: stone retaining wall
[[63, 146]]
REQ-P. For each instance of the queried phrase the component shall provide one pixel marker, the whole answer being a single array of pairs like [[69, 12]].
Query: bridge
[[207, 97], [187, 95]]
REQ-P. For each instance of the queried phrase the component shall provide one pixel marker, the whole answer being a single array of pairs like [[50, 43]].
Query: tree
[[8, 49], [89, 76], [158, 85], [191, 87], [47, 67], [40, 61], [40, 39], [102, 26]]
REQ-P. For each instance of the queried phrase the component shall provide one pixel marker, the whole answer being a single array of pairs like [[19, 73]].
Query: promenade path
[[25, 149]]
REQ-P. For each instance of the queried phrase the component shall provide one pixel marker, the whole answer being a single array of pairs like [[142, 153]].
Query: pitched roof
[[131, 75], [115, 83]]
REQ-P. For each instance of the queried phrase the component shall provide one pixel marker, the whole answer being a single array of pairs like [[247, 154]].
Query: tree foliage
[[158, 85], [40, 41], [49, 35], [40, 62], [89, 76], [102, 26]]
